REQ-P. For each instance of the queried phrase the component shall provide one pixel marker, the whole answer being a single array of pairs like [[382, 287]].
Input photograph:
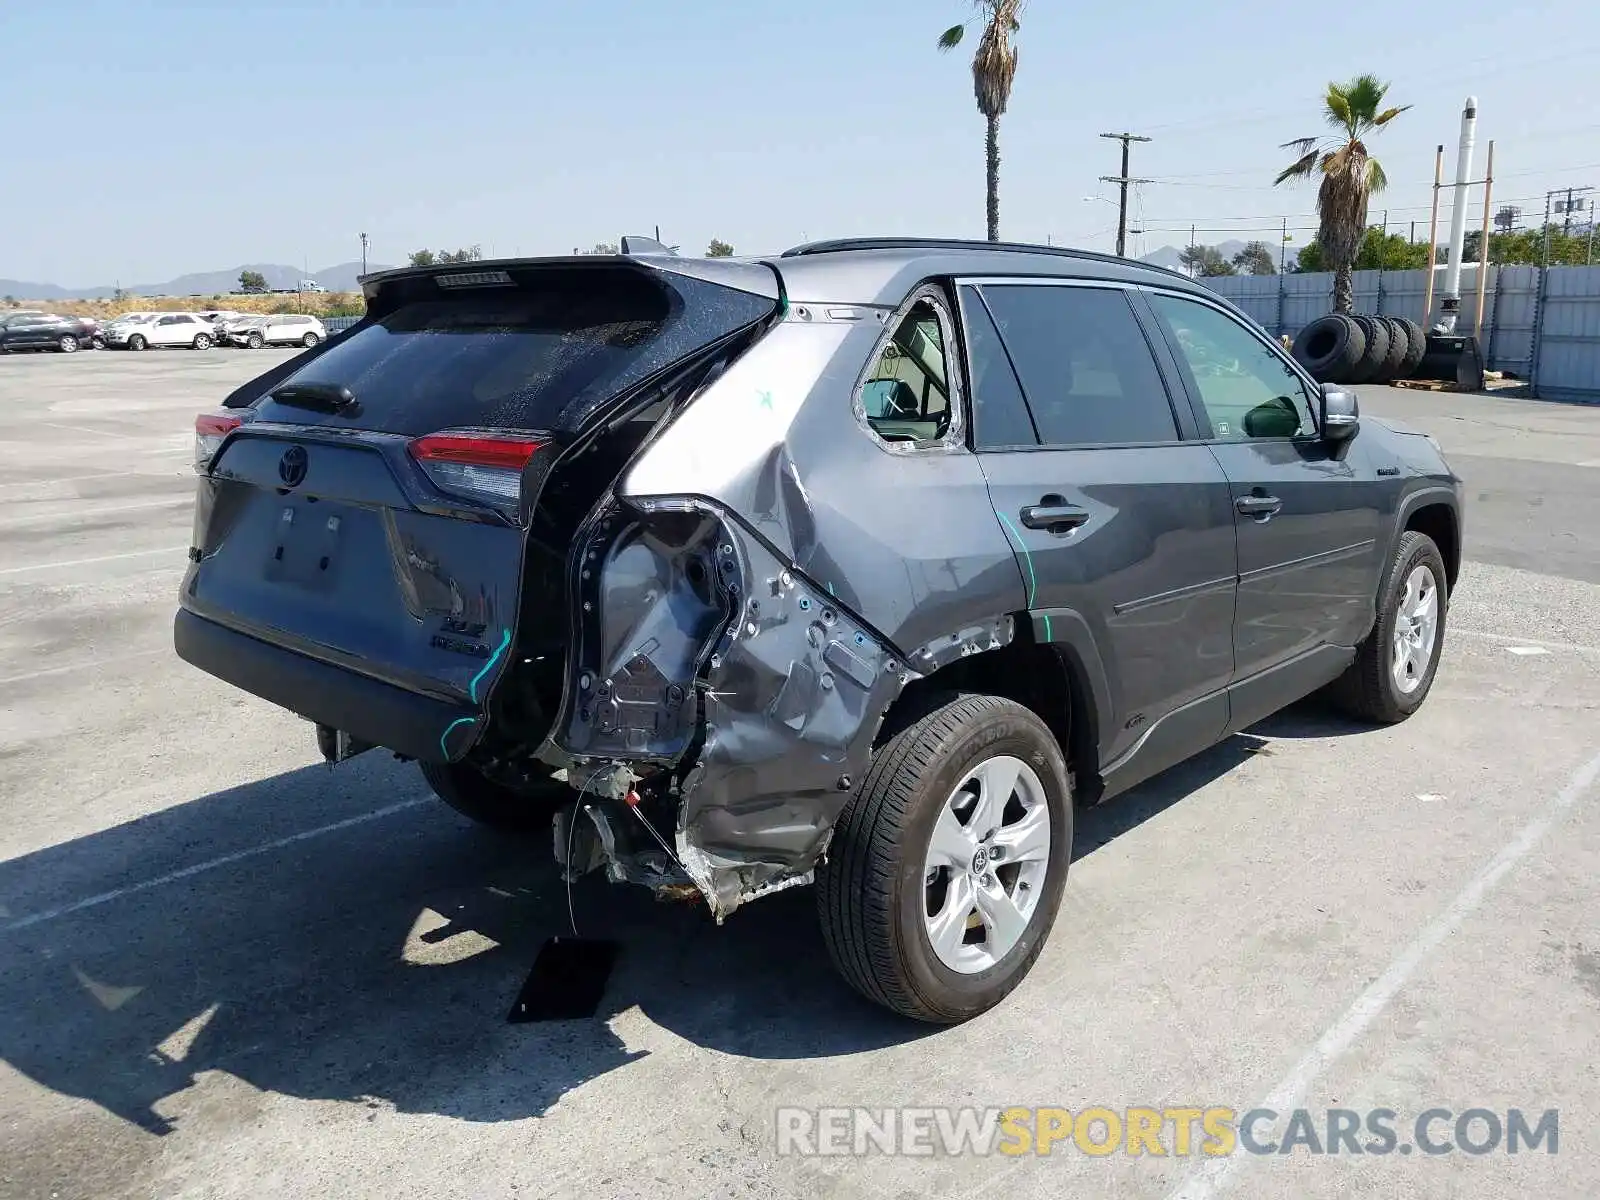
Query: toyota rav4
[[859, 565]]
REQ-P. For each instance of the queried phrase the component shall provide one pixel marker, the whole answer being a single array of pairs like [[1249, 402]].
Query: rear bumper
[[417, 726]]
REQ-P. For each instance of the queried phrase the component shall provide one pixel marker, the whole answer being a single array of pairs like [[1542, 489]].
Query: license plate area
[[305, 546]]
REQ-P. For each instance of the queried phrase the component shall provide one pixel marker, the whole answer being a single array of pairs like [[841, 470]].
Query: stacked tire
[[1357, 348]]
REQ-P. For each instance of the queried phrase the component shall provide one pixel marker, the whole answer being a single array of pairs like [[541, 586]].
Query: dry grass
[[327, 304]]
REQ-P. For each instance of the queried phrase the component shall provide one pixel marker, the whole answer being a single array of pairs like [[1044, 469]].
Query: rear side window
[[541, 356], [1085, 366], [906, 395]]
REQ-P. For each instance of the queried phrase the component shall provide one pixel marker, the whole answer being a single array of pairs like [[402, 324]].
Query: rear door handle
[[1258, 506], [1054, 514]]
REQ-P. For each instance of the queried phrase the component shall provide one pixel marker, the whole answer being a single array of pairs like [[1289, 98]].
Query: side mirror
[[1341, 414]]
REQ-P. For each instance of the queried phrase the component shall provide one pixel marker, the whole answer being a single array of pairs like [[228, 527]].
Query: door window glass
[[1247, 390], [999, 413], [1085, 366]]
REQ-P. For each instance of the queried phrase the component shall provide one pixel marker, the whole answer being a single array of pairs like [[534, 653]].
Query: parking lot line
[[46, 672], [1507, 640], [66, 518], [84, 562], [1206, 1180], [211, 864]]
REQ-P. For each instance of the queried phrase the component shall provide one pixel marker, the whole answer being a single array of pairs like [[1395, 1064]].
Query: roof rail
[[633, 244], [926, 243]]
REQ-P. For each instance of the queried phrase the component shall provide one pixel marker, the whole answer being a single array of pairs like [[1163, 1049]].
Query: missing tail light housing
[[479, 466], [209, 431]]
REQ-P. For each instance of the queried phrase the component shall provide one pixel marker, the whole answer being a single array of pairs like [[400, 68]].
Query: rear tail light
[[483, 467], [209, 430]]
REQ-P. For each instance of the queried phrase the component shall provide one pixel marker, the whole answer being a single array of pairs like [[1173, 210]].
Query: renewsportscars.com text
[[1177, 1131]]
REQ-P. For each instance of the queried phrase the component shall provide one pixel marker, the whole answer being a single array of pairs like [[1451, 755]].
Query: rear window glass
[[540, 357]]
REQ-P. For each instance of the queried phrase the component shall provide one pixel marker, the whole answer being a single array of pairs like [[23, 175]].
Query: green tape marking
[[1027, 558], [472, 689], [451, 728]]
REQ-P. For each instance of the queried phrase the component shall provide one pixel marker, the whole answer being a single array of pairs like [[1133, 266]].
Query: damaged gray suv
[[858, 566]]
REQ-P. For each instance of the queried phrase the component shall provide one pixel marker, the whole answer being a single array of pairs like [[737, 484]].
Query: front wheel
[[255, 341], [1394, 668], [489, 803], [137, 342], [947, 865], [68, 344]]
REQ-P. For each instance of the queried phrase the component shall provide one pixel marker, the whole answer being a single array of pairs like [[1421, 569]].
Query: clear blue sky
[[147, 138]]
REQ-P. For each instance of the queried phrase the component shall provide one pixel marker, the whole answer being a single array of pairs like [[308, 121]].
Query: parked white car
[[163, 329], [277, 329]]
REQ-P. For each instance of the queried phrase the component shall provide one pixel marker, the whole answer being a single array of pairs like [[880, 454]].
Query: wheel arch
[[1431, 514], [1051, 668]]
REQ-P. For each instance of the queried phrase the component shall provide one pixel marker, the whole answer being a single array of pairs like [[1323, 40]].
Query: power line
[[1122, 181]]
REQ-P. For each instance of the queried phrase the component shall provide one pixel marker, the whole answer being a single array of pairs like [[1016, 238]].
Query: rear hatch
[[366, 507]]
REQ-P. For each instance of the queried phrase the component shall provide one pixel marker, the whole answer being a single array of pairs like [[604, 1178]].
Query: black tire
[[255, 341], [1399, 345], [202, 341], [1377, 335], [871, 887], [1330, 347], [1368, 689], [490, 804], [68, 344], [309, 340], [1416, 346], [137, 342]]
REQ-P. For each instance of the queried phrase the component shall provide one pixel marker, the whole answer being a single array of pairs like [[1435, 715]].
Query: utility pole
[[1122, 181], [363, 254], [1283, 245]]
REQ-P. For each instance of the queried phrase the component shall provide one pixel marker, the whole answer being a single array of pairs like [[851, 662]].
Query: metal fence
[[338, 324], [1539, 324]]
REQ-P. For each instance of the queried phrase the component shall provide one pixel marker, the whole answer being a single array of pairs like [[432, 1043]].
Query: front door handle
[[1054, 514], [1258, 506]]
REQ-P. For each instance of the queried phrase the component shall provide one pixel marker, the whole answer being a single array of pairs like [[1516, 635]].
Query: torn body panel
[[765, 581]]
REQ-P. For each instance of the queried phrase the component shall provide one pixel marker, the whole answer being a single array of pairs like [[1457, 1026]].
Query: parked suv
[[146, 330], [29, 330], [285, 329], [860, 565]]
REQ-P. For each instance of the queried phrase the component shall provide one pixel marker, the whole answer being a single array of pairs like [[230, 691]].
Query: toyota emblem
[[292, 466]]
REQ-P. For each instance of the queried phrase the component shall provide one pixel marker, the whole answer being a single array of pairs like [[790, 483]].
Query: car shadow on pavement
[[376, 962]]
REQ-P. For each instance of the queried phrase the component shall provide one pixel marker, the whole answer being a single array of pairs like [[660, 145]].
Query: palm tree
[[994, 70], [1350, 175]]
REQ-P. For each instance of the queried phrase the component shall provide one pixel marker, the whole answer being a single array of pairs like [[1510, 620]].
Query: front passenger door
[[1308, 513]]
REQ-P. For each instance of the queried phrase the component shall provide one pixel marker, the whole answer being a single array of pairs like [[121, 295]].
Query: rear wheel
[[947, 865], [491, 804], [309, 340], [202, 341], [68, 344]]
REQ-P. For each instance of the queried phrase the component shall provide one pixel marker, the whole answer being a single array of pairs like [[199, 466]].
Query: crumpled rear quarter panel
[[859, 568]]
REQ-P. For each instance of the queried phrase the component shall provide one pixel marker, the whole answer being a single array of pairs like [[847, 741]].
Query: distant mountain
[[1170, 256], [338, 278]]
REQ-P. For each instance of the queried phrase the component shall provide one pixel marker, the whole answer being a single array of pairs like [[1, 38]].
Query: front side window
[[1085, 366], [906, 394], [1248, 391]]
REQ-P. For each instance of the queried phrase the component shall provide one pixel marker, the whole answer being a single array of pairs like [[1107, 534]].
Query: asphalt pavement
[[228, 970]]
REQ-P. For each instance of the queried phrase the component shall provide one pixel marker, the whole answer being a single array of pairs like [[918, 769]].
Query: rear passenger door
[[1308, 513], [1121, 521]]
